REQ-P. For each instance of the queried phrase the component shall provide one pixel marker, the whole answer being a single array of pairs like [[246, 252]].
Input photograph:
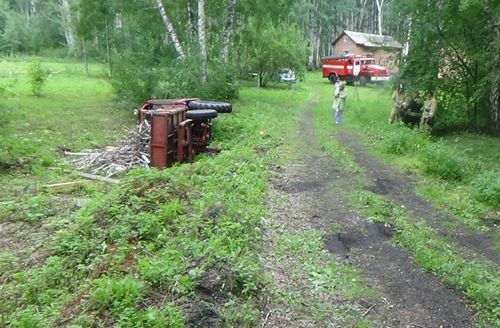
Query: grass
[[479, 281], [138, 254], [456, 172]]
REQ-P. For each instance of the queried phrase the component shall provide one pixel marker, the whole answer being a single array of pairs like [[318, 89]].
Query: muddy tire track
[[401, 190], [410, 296]]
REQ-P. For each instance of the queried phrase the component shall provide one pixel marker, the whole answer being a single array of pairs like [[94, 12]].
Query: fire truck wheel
[[220, 107], [201, 114], [333, 78], [363, 80]]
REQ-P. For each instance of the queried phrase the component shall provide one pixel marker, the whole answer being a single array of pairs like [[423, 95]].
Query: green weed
[[401, 140], [443, 163], [486, 188], [37, 77], [478, 280]]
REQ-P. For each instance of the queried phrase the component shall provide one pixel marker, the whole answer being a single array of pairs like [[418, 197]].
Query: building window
[[345, 38], [345, 52]]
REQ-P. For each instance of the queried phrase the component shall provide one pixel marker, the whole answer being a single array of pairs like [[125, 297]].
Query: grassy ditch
[[163, 248]]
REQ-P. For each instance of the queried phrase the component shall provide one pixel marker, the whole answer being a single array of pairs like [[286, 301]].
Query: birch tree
[[66, 14], [380, 4], [228, 30], [202, 40], [170, 29]]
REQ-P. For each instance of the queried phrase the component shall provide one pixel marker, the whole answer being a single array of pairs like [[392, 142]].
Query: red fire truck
[[352, 68]]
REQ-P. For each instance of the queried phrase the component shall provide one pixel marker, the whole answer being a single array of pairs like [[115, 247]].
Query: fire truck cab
[[353, 68]]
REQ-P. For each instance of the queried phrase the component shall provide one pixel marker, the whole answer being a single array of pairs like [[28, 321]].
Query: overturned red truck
[[180, 128], [353, 68]]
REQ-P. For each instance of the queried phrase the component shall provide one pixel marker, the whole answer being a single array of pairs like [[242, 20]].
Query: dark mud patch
[[341, 243], [401, 190], [409, 296], [200, 314]]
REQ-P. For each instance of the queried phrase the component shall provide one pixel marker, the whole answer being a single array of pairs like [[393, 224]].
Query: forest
[[178, 48]]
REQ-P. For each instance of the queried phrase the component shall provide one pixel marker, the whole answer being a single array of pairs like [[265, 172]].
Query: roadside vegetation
[[162, 249], [457, 172], [182, 245]]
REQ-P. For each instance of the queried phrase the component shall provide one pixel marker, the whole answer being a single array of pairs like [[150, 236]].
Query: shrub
[[486, 188], [136, 79], [402, 140], [443, 163], [37, 77], [182, 79], [117, 293]]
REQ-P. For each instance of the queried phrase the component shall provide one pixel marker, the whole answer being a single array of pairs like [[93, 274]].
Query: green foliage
[[37, 77], [29, 209], [270, 48], [241, 315], [166, 270], [153, 237], [136, 78], [116, 294], [401, 140], [486, 187], [182, 79], [443, 163], [455, 58]]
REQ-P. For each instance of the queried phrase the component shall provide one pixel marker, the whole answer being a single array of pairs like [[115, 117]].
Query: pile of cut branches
[[130, 152]]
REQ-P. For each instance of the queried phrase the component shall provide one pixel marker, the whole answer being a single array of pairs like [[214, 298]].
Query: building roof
[[371, 40]]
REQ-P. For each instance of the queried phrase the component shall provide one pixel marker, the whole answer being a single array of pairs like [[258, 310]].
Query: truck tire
[[201, 114], [220, 107], [332, 78], [363, 80]]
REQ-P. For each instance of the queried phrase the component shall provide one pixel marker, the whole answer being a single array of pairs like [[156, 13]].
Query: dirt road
[[308, 192]]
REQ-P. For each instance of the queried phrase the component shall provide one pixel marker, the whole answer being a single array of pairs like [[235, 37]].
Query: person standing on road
[[398, 103], [336, 87], [339, 102], [430, 107]]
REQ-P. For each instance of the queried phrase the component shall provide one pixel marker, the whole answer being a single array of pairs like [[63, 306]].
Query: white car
[[287, 76]]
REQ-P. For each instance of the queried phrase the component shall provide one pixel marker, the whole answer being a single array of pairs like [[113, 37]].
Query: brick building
[[384, 48]]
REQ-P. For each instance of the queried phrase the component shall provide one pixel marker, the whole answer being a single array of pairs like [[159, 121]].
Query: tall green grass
[[137, 254]]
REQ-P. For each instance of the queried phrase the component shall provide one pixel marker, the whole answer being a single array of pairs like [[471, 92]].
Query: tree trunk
[[228, 30], [85, 59], [202, 39], [170, 29], [380, 4], [191, 21], [68, 35], [108, 51], [495, 93]]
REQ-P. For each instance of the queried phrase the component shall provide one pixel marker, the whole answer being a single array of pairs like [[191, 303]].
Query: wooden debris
[[64, 186], [128, 153], [96, 177]]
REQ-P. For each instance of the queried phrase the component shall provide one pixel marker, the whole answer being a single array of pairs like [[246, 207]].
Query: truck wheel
[[332, 78], [220, 107], [363, 80], [201, 114]]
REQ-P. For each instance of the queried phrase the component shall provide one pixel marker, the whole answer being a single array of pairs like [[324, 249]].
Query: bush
[[183, 80], [443, 163], [37, 77], [136, 79], [402, 140], [486, 188]]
